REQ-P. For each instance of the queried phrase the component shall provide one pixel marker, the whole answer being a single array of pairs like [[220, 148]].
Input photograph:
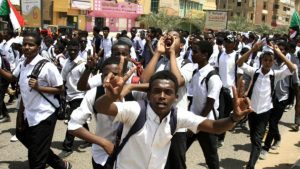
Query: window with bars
[[154, 6]]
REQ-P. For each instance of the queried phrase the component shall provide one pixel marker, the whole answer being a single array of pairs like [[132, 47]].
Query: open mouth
[[168, 42], [161, 105]]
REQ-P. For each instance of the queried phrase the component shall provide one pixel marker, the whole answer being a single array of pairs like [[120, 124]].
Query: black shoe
[[65, 153], [85, 145], [5, 119]]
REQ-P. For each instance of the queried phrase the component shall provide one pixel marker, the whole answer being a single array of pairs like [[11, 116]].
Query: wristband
[[232, 118]]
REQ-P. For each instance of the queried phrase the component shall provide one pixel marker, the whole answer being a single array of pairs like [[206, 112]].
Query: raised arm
[[246, 56], [173, 63], [150, 68], [288, 63], [113, 85], [143, 87], [82, 84], [241, 109]]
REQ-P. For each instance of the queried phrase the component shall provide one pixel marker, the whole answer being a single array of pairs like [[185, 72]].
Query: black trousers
[[208, 143], [3, 109], [69, 138], [274, 119], [37, 139], [257, 124], [176, 157], [97, 166]]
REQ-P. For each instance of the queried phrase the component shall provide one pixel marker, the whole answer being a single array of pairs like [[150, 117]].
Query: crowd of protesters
[[151, 92]]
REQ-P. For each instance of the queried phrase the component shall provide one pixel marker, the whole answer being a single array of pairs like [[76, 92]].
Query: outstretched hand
[[115, 83], [241, 104]]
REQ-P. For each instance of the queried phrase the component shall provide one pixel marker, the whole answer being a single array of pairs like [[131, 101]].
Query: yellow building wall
[[81, 22], [146, 4]]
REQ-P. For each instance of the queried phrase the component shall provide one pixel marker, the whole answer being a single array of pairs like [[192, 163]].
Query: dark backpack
[[5, 66], [61, 109], [138, 124], [272, 83], [225, 100]]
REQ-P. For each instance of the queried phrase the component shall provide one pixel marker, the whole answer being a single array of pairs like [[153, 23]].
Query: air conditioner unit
[[83, 12], [62, 14]]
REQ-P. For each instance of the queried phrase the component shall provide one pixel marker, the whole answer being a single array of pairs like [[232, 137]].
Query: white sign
[[82, 4], [216, 20]]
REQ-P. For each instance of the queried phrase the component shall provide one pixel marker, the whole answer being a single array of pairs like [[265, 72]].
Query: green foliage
[[240, 24], [167, 22]]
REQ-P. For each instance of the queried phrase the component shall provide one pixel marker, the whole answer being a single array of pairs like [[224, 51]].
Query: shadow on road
[[16, 164], [280, 166], [230, 163], [244, 147], [12, 131]]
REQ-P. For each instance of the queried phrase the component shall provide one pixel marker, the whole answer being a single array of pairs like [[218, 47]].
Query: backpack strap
[[272, 80], [184, 62], [37, 68], [99, 92], [173, 120], [35, 73], [255, 76], [235, 68], [210, 74], [138, 124]]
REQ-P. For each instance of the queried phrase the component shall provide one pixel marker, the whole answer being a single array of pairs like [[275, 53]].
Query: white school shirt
[[149, 147], [37, 108], [105, 127], [8, 53], [200, 92], [261, 100], [214, 56], [106, 44], [226, 67], [72, 77]]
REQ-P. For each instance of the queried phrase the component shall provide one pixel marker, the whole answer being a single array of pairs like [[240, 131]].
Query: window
[[238, 14], [276, 6], [274, 17], [245, 1], [263, 18], [287, 19], [265, 5], [251, 16], [239, 4], [231, 13], [224, 6], [154, 6]]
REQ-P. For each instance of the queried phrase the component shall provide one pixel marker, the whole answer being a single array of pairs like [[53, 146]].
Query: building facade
[[270, 12]]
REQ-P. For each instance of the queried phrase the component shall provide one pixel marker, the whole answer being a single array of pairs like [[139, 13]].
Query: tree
[[240, 24], [168, 22]]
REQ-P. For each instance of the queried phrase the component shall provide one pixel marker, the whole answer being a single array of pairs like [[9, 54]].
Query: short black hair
[[110, 61], [83, 34], [204, 47], [159, 31], [35, 35], [164, 75], [105, 28], [152, 30], [48, 39], [96, 29], [73, 42], [60, 46]]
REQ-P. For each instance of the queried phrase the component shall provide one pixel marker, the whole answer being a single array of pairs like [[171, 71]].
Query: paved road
[[233, 155]]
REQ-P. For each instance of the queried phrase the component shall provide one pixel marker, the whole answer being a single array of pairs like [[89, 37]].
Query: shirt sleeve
[[80, 115], [187, 119], [248, 69], [187, 72], [17, 70], [282, 73], [95, 81], [128, 112], [53, 76]]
